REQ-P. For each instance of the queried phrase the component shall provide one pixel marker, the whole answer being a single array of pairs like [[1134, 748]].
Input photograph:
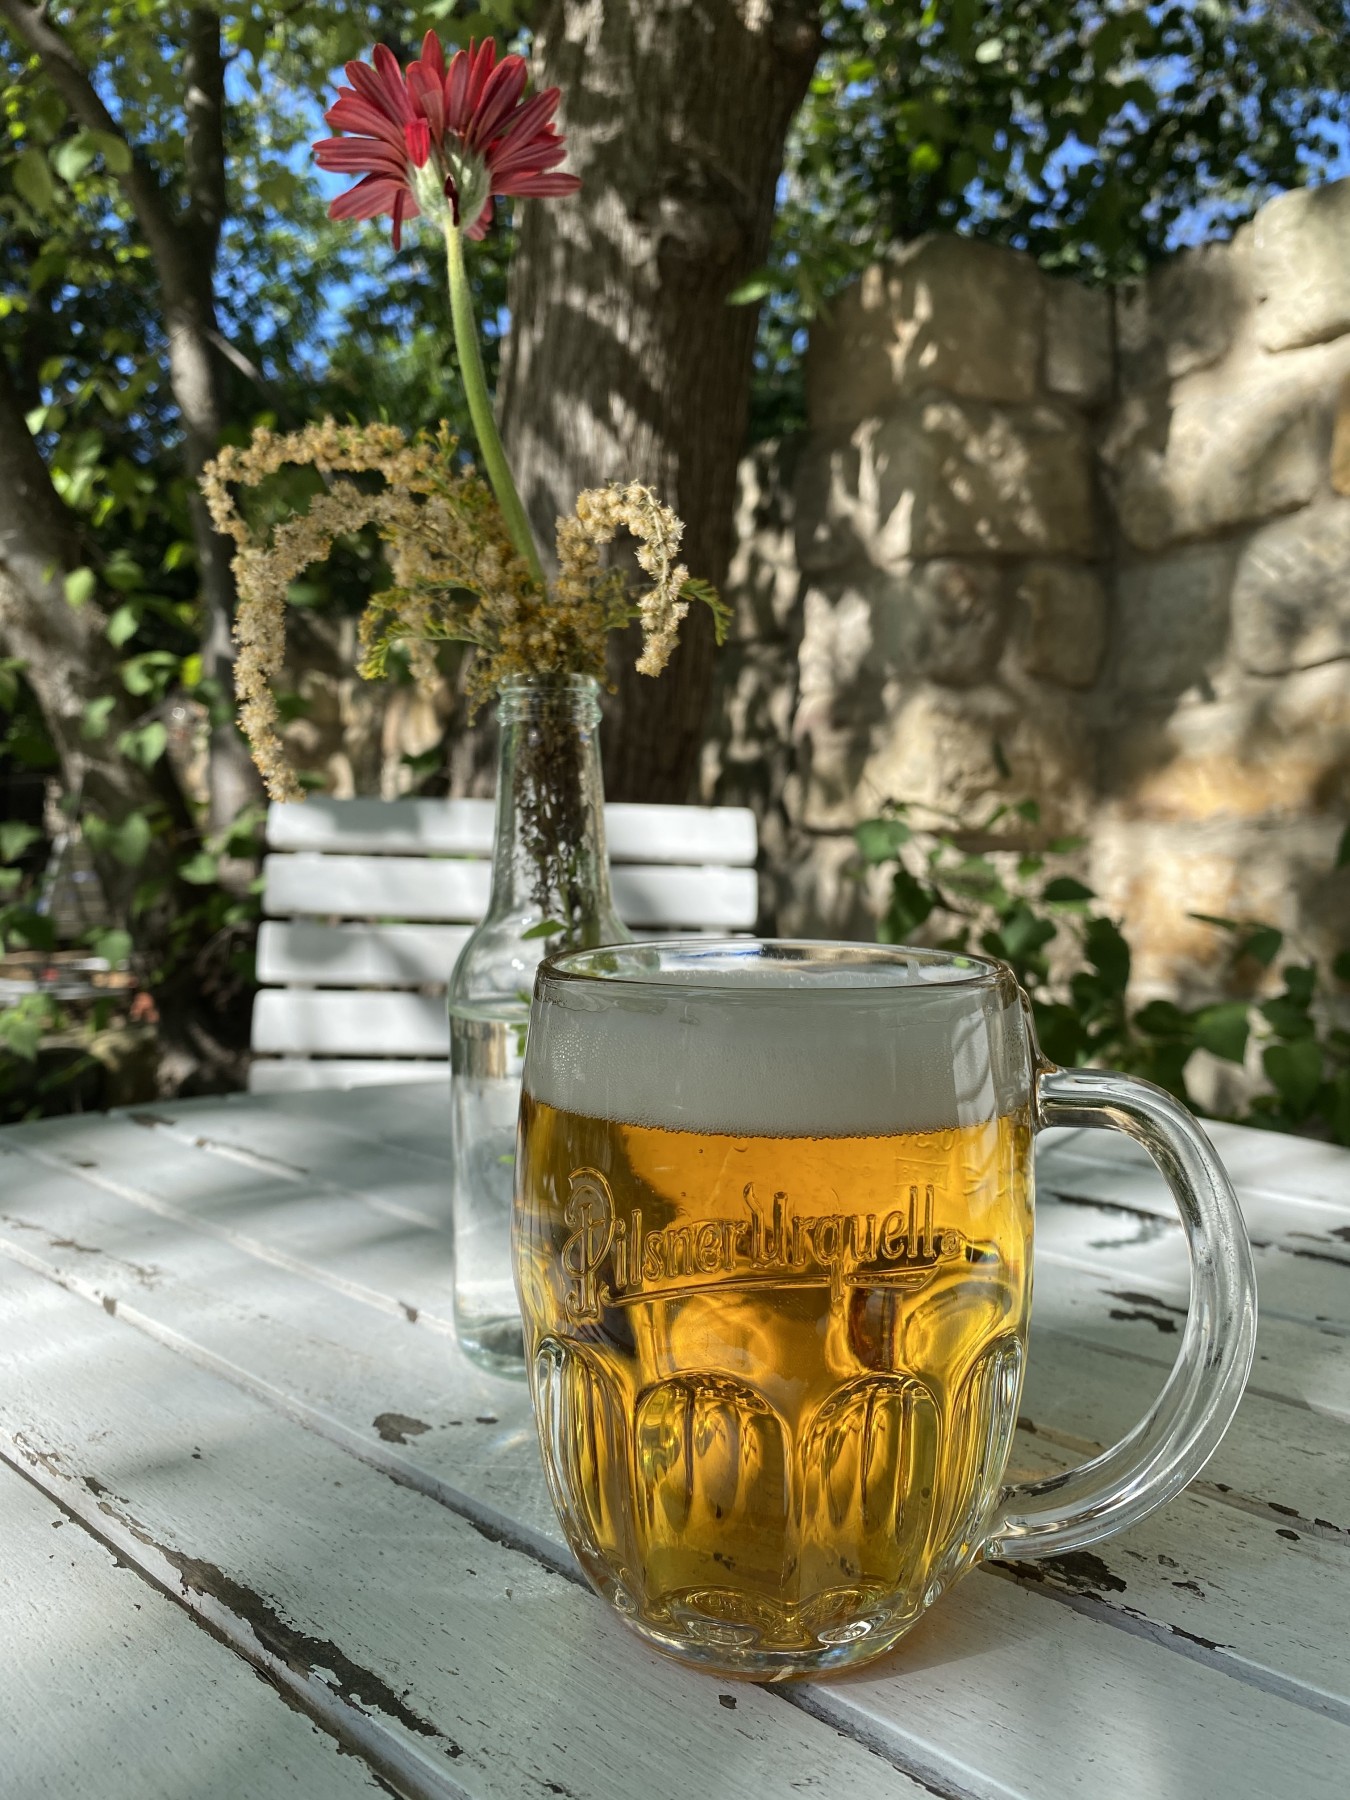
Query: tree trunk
[[196, 373], [624, 359]]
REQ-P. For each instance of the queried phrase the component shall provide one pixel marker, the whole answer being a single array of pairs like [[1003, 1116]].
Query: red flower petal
[[537, 153], [531, 117], [369, 87], [433, 56], [501, 92], [426, 90], [351, 113], [542, 187], [418, 135], [479, 229], [457, 92], [356, 155], [389, 72], [367, 199], [480, 67]]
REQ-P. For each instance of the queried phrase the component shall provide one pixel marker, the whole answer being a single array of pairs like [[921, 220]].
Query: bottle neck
[[549, 859]]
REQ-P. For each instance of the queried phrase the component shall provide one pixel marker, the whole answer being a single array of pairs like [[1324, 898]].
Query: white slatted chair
[[349, 998]]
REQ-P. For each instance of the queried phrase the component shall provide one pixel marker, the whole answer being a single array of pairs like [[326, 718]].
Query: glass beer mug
[[773, 1242]]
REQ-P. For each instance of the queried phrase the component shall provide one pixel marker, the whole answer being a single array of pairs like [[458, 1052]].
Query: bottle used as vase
[[550, 891]]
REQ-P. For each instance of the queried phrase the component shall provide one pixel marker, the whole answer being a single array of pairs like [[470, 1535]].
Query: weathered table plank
[[274, 1245], [107, 1689], [457, 1664]]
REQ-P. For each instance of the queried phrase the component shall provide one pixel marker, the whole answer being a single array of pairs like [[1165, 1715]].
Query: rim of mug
[[965, 971]]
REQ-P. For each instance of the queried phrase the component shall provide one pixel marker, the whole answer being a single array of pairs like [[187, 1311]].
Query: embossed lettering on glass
[[773, 1241]]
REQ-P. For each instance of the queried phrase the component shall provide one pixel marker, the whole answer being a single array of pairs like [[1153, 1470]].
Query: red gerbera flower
[[441, 140]]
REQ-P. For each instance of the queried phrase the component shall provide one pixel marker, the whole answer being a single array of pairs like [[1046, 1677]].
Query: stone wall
[[1091, 547]]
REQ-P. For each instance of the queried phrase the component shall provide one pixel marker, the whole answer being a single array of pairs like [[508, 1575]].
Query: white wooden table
[[266, 1533]]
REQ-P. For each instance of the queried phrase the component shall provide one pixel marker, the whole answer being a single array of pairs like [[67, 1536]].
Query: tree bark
[[184, 254], [624, 359]]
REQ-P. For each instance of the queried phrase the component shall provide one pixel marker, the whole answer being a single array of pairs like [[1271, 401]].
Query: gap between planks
[[512, 1534]]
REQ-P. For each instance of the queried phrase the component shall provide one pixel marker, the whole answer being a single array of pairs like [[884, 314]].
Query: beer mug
[[773, 1243]]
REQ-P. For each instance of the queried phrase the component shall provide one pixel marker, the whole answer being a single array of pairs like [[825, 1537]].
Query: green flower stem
[[480, 404]]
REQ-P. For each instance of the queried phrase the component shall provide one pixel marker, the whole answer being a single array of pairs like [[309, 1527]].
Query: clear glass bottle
[[550, 891]]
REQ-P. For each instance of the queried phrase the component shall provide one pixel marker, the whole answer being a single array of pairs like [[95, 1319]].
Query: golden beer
[[773, 1234], [776, 1375]]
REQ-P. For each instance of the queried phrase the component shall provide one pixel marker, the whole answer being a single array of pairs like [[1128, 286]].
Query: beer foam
[[858, 1055]]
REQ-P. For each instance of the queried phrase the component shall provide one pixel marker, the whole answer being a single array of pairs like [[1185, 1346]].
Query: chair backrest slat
[[643, 834], [370, 901]]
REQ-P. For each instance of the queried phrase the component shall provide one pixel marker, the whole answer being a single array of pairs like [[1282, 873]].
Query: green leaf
[[128, 842], [32, 180], [546, 928], [115, 151], [94, 719], [71, 158], [753, 288], [879, 840], [123, 623], [1162, 1018], [146, 745], [1023, 934], [200, 870], [1299, 981], [1223, 1029], [32, 928], [1108, 952], [21, 1032], [1286, 1017], [15, 839], [1064, 889], [79, 586], [1214, 919], [114, 946], [1343, 851], [1340, 967], [1030, 810], [911, 902], [1295, 1071], [1263, 944]]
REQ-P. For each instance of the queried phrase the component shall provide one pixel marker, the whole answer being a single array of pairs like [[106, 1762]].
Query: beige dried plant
[[456, 575]]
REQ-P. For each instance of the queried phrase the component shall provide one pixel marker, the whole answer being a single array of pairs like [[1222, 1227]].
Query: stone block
[[1061, 622], [941, 620], [1079, 360], [962, 750], [1185, 315], [962, 478], [1291, 594], [1211, 459], [1158, 876], [1340, 440], [943, 312], [838, 643], [1301, 266], [762, 584], [1256, 750], [1172, 620], [834, 502]]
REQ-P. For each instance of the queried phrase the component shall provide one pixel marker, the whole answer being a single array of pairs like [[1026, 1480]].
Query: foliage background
[[1099, 137]]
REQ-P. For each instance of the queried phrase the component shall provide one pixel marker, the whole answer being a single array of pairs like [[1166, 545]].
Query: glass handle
[[1173, 1442]]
